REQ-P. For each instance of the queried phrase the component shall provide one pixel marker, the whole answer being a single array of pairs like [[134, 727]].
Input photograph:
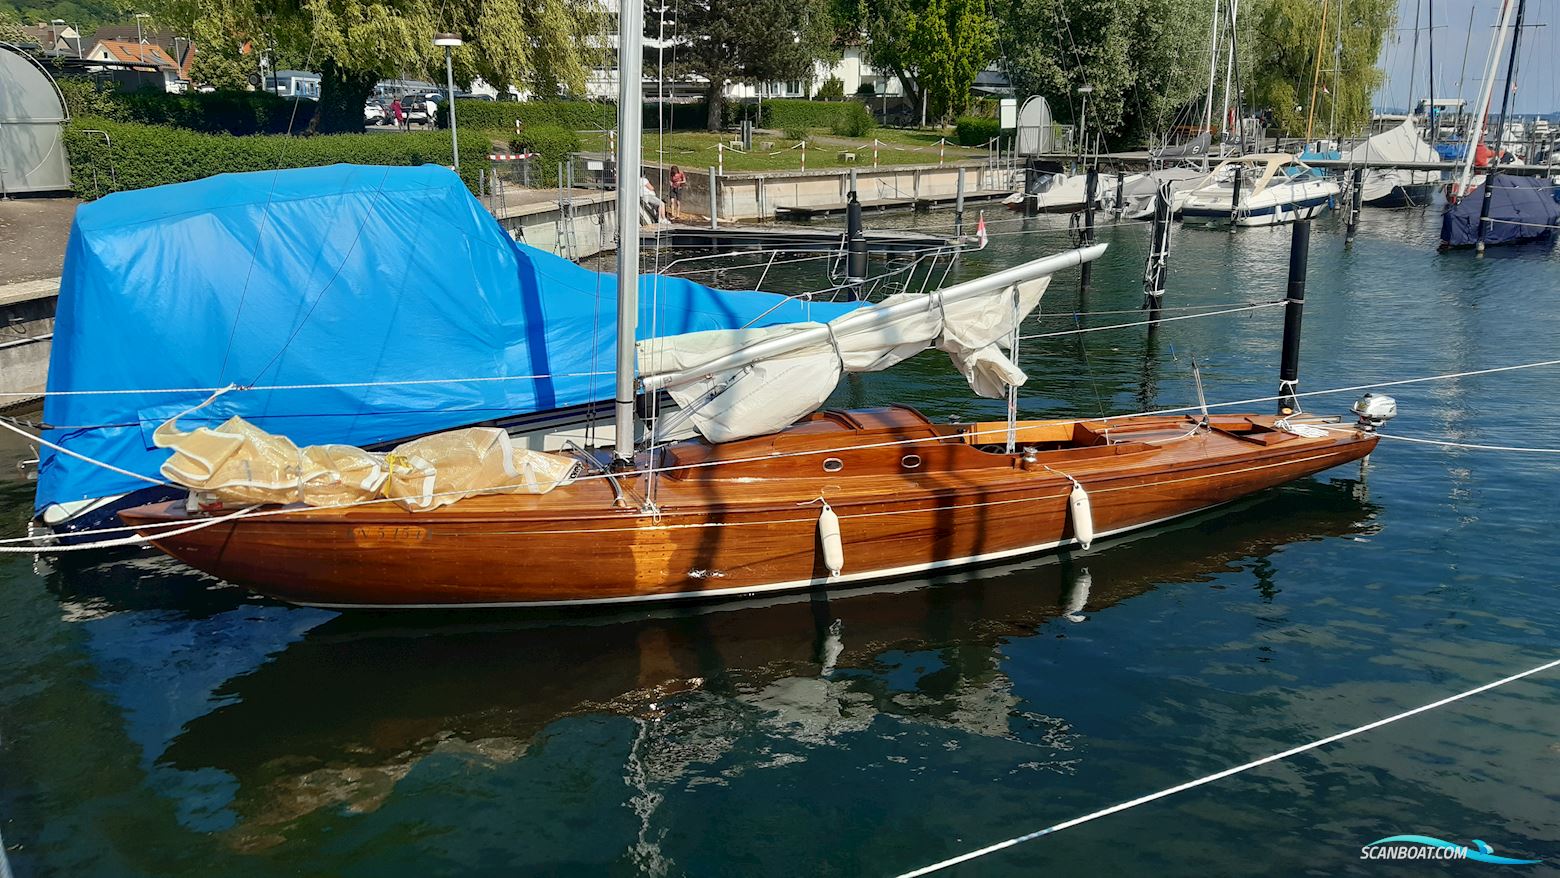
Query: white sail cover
[[771, 394], [1400, 144]]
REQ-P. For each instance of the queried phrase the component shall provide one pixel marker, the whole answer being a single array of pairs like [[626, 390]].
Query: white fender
[[1082, 515], [829, 536]]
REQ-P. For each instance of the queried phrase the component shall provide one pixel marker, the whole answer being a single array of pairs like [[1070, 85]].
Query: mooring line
[[1179, 788]]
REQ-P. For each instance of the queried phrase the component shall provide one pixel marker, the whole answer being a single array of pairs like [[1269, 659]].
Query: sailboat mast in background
[[1481, 112]]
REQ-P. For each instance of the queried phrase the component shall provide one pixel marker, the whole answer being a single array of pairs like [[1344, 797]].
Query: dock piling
[[1484, 209], [1158, 254], [714, 200], [958, 207], [1356, 199], [856, 242], [1091, 185], [1121, 188], [1235, 196], [1289, 365]]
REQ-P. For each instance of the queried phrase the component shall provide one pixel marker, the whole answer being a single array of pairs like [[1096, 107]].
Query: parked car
[[416, 105], [374, 114]]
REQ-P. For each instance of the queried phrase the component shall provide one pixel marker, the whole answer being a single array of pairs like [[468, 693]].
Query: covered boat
[[1396, 187], [1522, 209], [348, 304]]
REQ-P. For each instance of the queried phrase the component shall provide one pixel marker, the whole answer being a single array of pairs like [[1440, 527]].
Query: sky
[[1538, 63]]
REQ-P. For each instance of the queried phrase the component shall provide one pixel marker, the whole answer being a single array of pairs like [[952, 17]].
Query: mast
[[1476, 124], [1511, 73], [1430, 114], [1213, 67], [630, 13], [1229, 73], [1316, 75]]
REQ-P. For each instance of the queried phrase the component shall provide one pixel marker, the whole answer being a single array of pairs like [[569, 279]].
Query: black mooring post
[[1121, 186], [1158, 255], [1031, 183], [1091, 187], [958, 208], [1235, 195], [1484, 208], [1289, 367], [1356, 201], [856, 242]]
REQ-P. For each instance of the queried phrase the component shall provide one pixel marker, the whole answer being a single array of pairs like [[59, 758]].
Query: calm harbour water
[[154, 721]]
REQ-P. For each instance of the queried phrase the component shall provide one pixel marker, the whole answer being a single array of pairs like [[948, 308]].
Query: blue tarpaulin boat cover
[[1522, 209], [329, 276]]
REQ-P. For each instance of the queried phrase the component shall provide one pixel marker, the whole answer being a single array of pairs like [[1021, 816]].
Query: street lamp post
[[449, 42], [1083, 119]]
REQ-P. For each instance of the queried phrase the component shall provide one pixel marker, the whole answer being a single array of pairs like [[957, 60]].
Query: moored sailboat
[[774, 495]]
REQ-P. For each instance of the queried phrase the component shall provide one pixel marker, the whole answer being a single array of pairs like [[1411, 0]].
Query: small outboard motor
[[1374, 410]]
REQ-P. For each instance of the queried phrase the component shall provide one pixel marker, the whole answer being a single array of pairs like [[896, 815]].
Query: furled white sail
[[770, 393], [1400, 144]]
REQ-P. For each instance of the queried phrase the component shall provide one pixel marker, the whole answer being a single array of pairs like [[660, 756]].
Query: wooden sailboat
[[743, 517], [804, 500]]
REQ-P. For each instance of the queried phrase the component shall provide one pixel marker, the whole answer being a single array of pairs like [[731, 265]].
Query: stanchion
[[1289, 365]]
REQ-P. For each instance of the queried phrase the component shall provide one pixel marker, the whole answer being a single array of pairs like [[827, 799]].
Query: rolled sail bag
[[435, 470], [239, 463]]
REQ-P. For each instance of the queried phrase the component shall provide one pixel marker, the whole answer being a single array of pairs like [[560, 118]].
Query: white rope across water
[[1154, 321], [1220, 775]]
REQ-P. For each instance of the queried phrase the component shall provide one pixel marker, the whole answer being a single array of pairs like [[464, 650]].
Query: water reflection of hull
[[337, 718]]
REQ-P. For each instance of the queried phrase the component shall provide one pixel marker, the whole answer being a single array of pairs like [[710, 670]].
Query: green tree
[[953, 41], [1286, 35], [891, 45], [546, 45], [1144, 58], [750, 41]]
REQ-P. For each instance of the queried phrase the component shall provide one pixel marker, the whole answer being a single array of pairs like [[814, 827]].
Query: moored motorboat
[[1274, 188]]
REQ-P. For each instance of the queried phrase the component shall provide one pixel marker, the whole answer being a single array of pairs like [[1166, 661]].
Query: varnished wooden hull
[[743, 518]]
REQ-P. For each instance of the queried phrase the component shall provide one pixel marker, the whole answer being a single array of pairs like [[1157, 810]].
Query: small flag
[[980, 231]]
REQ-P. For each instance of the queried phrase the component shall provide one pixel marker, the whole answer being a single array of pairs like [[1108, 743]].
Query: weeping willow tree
[[1285, 38], [548, 46], [1144, 58]]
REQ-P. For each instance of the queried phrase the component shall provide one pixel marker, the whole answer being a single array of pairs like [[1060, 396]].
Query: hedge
[[152, 155], [805, 114], [580, 115], [553, 143], [221, 112], [978, 131], [501, 115]]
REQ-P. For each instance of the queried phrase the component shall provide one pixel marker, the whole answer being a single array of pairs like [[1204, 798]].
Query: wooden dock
[[921, 202]]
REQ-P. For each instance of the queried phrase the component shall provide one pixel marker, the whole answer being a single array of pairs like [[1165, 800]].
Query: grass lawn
[[697, 149]]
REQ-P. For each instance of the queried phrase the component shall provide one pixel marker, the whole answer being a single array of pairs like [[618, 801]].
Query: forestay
[[768, 394]]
